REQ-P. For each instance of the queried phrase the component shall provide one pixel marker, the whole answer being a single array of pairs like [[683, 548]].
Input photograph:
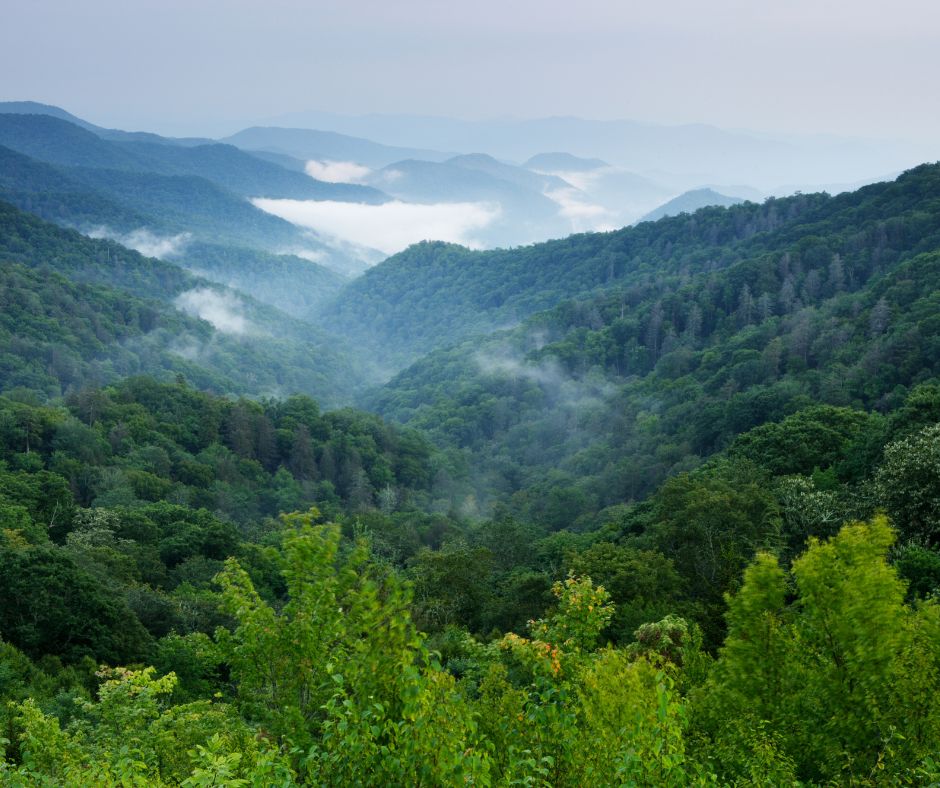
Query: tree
[[879, 318], [841, 677], [908, 484]]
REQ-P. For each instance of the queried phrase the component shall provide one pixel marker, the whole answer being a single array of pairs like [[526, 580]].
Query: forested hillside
[[823, 672], [598, 400], [79, 311], [652, 507], [432, 295]]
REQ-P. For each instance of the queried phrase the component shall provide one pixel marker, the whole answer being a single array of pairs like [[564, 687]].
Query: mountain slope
[[118, 203], [57, 141], [561, 161], [690, 202], [292, 284], [121, 313], [326, 146], [598, 400], [434, 294], [37, 108], [518, 176]]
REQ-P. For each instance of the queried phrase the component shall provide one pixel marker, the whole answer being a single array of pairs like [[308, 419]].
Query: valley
[[336, 461]]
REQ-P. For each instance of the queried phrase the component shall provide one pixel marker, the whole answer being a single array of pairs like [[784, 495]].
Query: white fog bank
[[389, 227]]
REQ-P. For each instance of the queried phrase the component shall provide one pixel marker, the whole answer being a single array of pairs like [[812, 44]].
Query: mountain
[[189, 204], [435, 294], [36, 108], [151, 208], [523, 213], [690, 202], [519, 176], [326, 146], [624, 196], [699, 153], [151, 317], [53, 194], [57, 141], [600, 399], [292, 284], [563, 162]]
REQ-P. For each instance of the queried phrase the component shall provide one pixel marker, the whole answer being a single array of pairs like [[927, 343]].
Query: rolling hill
[[690, 202], [601, 398], [432, 295], [57, 141], [81, 311]]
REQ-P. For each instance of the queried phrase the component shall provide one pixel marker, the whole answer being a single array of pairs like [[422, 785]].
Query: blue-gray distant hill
[[563, 162], [326, 146], [524, 213], [624, 195], [699, 152], [37, 108], [690, 202], [58, 141]]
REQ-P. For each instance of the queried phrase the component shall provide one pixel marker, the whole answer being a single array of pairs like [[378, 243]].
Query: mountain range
[[322, 184], [666, 491]]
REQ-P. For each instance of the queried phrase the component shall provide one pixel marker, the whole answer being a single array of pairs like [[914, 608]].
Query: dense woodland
[[652, 507]]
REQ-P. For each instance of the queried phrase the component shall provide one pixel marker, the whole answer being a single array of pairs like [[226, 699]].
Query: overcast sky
[[211, 66]]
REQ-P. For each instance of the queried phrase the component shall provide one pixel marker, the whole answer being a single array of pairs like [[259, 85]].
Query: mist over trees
[[653, 506]]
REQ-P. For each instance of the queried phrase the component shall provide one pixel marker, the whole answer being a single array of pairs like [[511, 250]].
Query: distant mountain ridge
[[61, 142], [561, 161], [700, 153], [690, 202], [326, 146]]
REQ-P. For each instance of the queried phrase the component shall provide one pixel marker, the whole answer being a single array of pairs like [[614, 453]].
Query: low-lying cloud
[[311, 255], [223, 310], [144, 241], [337, 171], [584, 216], [389, 227], [563, 388], [584, 180]]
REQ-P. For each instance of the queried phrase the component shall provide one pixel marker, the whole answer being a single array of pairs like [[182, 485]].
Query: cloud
[[144, 241], [389, 227], [584, 216], [312, 255], [337, 171], [583, 180], [562, 388], [222, 310]]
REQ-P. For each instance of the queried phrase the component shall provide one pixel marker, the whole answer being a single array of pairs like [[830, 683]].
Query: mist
[[145, 241], [583, 215], [223, 311], [337, 171], [389, 227], [562, 388]]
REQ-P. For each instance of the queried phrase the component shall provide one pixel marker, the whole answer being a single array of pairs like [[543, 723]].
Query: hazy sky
[[865, 67]]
